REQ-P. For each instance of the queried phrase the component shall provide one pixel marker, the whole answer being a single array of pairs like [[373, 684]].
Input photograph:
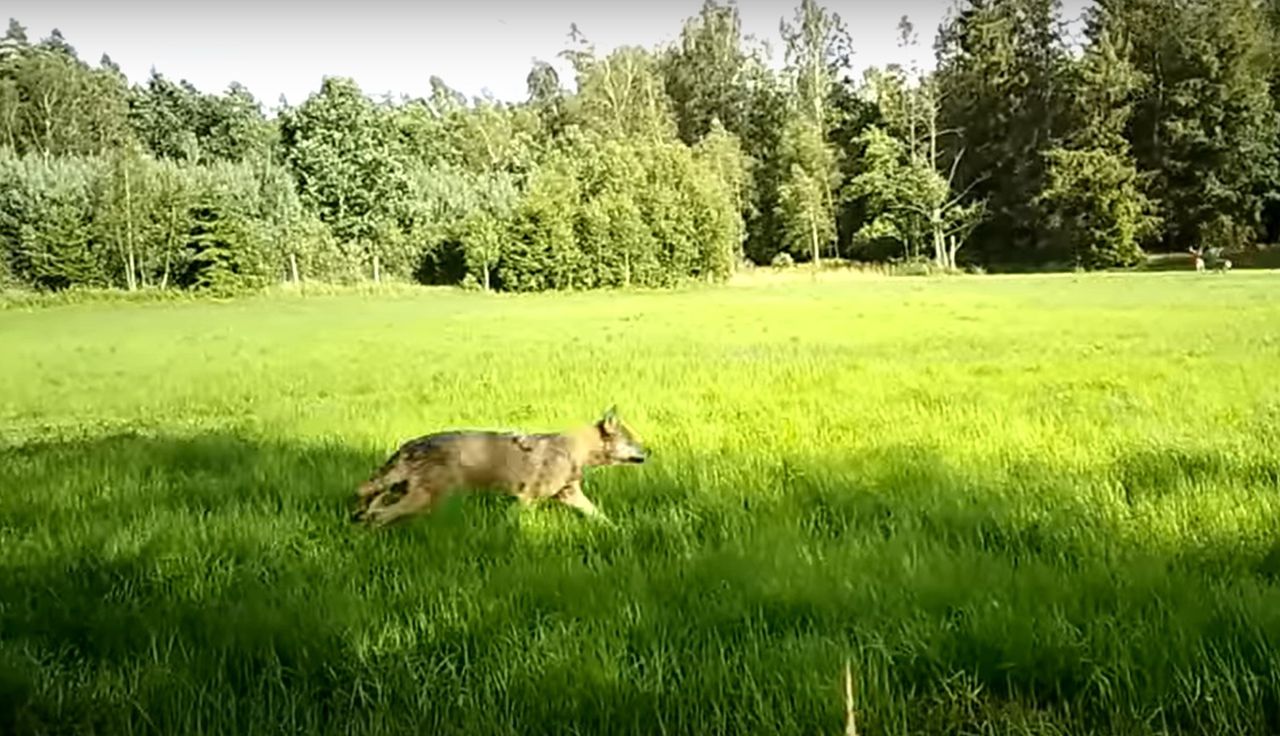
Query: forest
[[1151, 127]]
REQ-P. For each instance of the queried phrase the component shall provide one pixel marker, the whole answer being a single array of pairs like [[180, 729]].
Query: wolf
[[530, 467]]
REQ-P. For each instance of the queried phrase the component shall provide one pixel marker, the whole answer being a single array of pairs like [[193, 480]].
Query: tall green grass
[[1016, 505]]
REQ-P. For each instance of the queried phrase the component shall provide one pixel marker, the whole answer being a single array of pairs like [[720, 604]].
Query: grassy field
[[1015, 504]]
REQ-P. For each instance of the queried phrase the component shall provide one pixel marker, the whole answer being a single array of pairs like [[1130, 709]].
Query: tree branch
[[951, 177], [967, 189]]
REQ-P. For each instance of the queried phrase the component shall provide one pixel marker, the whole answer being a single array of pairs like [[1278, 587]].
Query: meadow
[[1016, 504]]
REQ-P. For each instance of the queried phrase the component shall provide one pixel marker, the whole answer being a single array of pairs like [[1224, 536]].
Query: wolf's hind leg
[[421, 496], [378, 490]]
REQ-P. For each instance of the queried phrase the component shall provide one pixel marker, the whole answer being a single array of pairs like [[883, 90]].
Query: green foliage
[[131, 221], [165, 116], [706, 73], [294, 240], [496, 139], [1001, 85], [122, 199], [1204, 124], [1094, 195], [167, 222], [177, 121], [818, 53], [1106, 82], [440, 197], [664, 164], [485, 228], [613, 213], [51, 102], [547, 101], [544, 252], [808, 165], [235, 129], [762, 143], [487, 138], [805, 210], [1095, 203], [341, 149], [721, 152], [482, 235], [421, 134], [47, 221], [226, 248], [622, 95], [896, 190], [613, 231], [899, 184], [671, 201]]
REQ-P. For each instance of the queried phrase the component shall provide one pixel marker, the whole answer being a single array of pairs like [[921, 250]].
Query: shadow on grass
[[213, 583]]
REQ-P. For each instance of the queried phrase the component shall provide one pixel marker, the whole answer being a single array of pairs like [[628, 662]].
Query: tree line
[[1154, 130]]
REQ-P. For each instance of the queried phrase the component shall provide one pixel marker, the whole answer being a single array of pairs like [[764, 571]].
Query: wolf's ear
[[609, 422]]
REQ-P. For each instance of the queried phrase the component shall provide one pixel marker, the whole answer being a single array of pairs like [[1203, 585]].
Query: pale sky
[[277, 47]]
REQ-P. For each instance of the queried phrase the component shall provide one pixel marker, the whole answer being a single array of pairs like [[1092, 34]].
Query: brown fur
[[531, 467]]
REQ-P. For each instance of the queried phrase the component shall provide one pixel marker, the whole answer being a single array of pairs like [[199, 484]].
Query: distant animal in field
[[423, 472], [1198, 256], [1214, 261]]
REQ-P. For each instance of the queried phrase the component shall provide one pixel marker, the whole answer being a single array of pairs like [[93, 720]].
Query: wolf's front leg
[[572, 496]]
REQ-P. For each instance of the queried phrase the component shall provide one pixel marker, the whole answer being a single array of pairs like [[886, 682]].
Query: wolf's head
[[619, 442]]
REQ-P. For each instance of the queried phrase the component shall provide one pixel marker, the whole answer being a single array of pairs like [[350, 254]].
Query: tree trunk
[[48, 124], [377, 270], [813, 236], [933, 134], [815, 77], [293, 267], [9, 125], [835, 217], [939, 241], [912, 141], [168, 246], [486, 274], [126, 258], [132, 278]]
